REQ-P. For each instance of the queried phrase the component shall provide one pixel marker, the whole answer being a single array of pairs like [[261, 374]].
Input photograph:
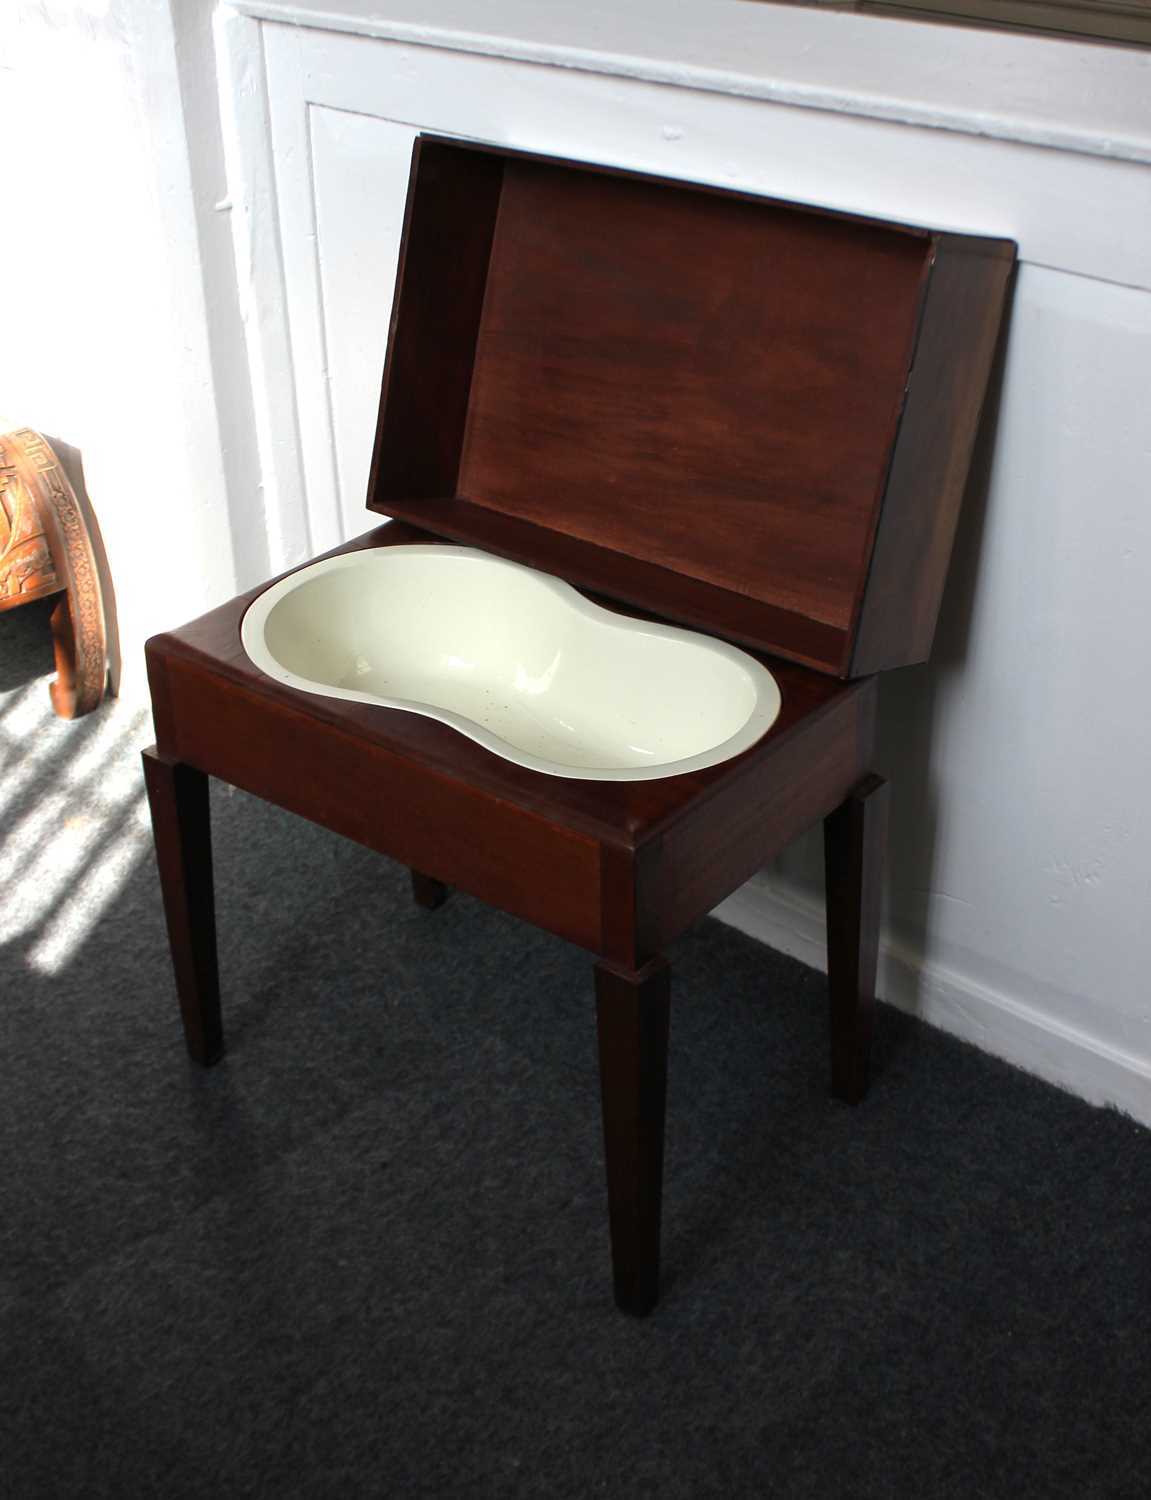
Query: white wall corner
[[790, 919]]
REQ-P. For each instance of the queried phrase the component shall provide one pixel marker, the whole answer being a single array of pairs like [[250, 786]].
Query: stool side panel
[[745, 823], [506, 856]]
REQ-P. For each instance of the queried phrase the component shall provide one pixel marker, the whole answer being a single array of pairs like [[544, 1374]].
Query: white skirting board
[[789, 919]]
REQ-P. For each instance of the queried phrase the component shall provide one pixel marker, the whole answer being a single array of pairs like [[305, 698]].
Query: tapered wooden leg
[[178, 797], [632, 1015], [855, 839], [428, 892]]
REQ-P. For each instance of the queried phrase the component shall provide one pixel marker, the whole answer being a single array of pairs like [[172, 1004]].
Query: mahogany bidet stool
[[701, 408]]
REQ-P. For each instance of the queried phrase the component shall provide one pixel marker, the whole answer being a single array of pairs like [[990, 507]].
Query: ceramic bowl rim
[[763, 715]]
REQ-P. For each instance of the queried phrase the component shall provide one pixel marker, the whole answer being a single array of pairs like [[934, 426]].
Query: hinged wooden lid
[[750, 416]]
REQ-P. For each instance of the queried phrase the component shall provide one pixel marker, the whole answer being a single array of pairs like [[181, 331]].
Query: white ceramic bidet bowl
[[515, 659]]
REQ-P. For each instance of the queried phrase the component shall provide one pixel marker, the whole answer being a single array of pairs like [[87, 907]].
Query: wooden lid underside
[[685, 398]]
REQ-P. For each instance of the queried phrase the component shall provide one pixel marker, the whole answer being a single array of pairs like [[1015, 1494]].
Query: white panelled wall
[[1019, 902], [1019, 905]]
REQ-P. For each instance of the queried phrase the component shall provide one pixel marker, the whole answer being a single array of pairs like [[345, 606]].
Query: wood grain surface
[[750, 416]]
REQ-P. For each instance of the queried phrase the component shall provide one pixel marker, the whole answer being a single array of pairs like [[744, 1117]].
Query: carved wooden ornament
[[45, 550]]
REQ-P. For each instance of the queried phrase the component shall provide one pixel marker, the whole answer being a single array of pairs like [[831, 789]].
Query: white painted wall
[[107, 343], [1018, 882], [1019, 887]]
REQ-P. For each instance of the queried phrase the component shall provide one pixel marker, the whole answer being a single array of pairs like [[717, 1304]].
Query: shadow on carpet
[[367, 1254]]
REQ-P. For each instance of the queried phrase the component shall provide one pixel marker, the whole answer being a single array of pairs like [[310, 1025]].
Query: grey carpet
[[366, 1255]]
